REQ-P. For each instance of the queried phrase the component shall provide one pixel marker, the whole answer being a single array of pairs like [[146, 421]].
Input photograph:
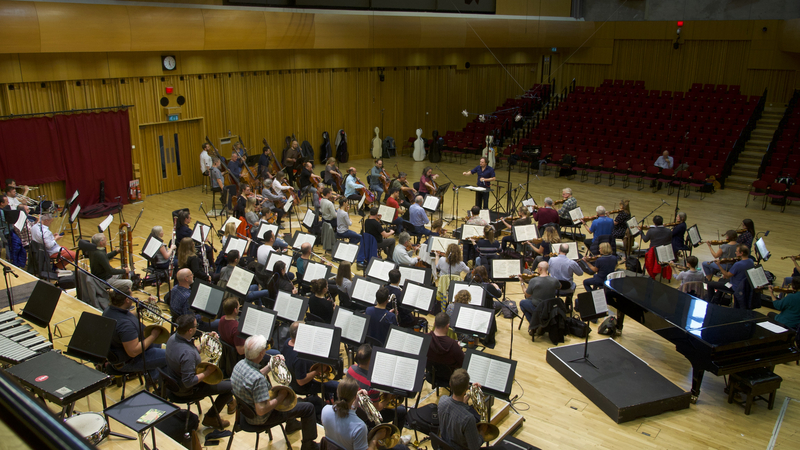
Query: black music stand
[[41, 305], [256, 318], [206, 299], [590, 311], [330, 358], [341, 250], [342, 315], [382, 358], [128, 412], [402, 340]]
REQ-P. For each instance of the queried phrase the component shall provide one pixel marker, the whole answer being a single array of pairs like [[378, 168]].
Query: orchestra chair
[[696, 288], [776, 191], [168, 388], [755, 383], [206, 187], [121, 378], [329, 444], [244, 411], [228, 358], [437, 375], [314, 318], [410, 229], [566, 297], [373, 341], [439, 444], [155, 276]]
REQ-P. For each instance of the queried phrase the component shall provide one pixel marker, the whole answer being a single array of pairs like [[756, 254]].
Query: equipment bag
[[608, 327], [424, 419], [577, 328]]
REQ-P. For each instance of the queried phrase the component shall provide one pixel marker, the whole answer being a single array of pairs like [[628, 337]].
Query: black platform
[[623, 386]]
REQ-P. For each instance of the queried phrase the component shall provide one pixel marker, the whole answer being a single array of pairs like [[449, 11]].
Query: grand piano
[[713, 338]]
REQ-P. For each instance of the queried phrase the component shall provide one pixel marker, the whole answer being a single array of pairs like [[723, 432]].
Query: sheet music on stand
[[470, 319], [301, 238], [344, 251], [362, 200], [236, 222], [315, 271], [404, 341], [234, 243], [476, 292], [440, 244], [75, 213], [274, 257], [468, 231], [363, 290], [573, 251], [21, 218], [386, 213], [416, 274], [664, 254], [105, 223], [396, 372], [309, 218], [757, 277], [524, 233], [474, 188], [431, 203], [151, 247], [530, 204], [290, 308], [318, 342], [198, 229], [505, 269], [354, 325], [484, 214], [592, 305], [761, 249], [288, 205], [240, 281], [576, 215], [494, 373], [379, 268], [694, 235], [633, 226], [418, 296], [74, 196], [206, 298], [256, 320], [262, 229]]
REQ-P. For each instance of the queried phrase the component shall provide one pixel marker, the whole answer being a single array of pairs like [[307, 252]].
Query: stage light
[[481, 118], [518, 117]]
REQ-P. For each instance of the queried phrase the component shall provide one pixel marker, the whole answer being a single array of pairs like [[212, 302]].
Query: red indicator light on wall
[[169, 90], [680, 23]]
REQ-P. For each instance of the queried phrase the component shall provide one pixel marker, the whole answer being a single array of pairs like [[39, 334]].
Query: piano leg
[[697, 380]]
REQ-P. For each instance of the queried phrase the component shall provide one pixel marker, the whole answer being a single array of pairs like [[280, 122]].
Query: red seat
[[776, 191], [698, 181]]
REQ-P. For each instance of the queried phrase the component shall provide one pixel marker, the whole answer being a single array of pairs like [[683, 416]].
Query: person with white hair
[[570, 203], [162, 256], [100, 267], [40, 232], [250, 384], [602, 226]]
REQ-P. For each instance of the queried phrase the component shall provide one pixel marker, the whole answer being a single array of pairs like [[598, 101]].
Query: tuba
[[282, 378], [387, 434], [487, 430]]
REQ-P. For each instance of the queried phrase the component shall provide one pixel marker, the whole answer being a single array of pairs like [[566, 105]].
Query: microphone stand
[[641, 223], [8, 270], [455, 194], [211, 224]]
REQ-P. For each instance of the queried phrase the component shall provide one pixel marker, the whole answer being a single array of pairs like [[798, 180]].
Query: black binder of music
[[274, 257], [231, 243], [148, 244], [212, 306], [350, 335], [396, 372], [331, 353], [494, 373], [475, 319], [256, 318], [588, 308]]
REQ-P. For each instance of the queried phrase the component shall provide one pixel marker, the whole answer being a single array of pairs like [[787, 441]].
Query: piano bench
[[755, 383]]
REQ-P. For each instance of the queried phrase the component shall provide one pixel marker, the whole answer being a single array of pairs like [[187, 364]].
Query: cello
[[369, 197], [249, 177]]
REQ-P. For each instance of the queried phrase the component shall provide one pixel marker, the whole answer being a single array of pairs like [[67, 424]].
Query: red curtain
[[30, 152], [96, 147]]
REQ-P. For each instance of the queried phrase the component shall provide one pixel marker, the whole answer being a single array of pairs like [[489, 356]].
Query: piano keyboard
[[18, 340]]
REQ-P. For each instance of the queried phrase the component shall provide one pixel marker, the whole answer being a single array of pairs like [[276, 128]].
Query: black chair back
[[438, 443], [244, 409], [314, 318], [167, 382], [228, 359], [328, 444]]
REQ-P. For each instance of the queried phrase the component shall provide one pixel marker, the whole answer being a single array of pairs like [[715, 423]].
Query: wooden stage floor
[[556, 414]]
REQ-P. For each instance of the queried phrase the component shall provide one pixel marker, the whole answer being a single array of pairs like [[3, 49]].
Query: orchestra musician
[[263, 163], [546, 214], [344, 277], [301, 263], [280, 281], [241, 202], [381, 317], [521, 221], [621, 230], [569, 204], [444, 350], [333, 177], [451, 263], [240, 152], [319, 303], [303, 382], [488, 246], [691, 274], [679, 233], [405, 317], [179, 298], [272, 200], [40, 232], [418, 217], [540, 288], [736, 277], [235, 166], [12, 241], [290, 158], [277, 184], [563, 268], [485, 177], [188, 259], [164, 255], [427, 182], [726, 251], [218, 183], [254, 295], [205, 159], [604, 265], [602, 226], [658, 234], [789, 307], [747, 232], [374, 181], [100, 267], [475, 217], [307, 177], [5, 229], [550, 238], [360, 373], [269, 244], [14, 202], [341, 423], [343, 223], [326, 207], [13, 183], [392, 200], [182, 358], [401, 251], [250, 383], [463, 297], [350, 186], [401, 184], [384, 239], [457, 421], [480, 275], [183, 231]]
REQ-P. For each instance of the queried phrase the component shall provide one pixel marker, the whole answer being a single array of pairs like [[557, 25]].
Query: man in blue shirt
[[485, 177], [179, 300], [382, 318], [736, 277], [418, 217], [602, 226]]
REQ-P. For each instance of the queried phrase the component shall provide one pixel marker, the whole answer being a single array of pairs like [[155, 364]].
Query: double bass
[[435, 154], [488, 152], [274, 165], [248, 177], [225, 166]]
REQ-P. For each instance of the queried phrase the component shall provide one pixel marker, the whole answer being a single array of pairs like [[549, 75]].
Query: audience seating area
[[779, 174]]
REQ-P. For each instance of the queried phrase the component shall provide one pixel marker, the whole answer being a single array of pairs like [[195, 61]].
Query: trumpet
[[487, 430], [387, 434], [328, 373], [27, 200], [282, 377]]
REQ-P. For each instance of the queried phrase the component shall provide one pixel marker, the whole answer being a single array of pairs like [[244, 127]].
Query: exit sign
[[172, 117], [554, 49]]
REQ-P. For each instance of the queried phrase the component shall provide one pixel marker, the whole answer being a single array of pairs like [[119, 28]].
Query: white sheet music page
[[526, 232], [410, 273], [236, 244], [105, 223], [599, 299], [479, 369], [529, 203], [308, 219], [440, 244], [573, 251], [757, 276], [363, 199], [288, 205], [775, 328], [153, 244], [431, 203], [694, 235], [633, 226], [473, 320], [576, 215], [417, 296], [475, 292], [664, 253], [313, 340], [315, 271], [20, 223], [201, 298], [500, 371], [302, 238], [469, 231], [346, 252], [264, 227], [484, 214], [505, 268], [288, 307], [74, 196], [381, 269], [365, 290], [404, 342], [257, 322], [75, 214], [232, 219], [386, 213], [240, 280], [404, 373], [352, 326], [383, 369], [200, 228], [275, 257]]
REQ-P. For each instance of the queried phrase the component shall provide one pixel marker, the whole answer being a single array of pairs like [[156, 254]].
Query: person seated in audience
[[250, 383], [182, 360], [303, 382], [540, 288], [444, 350], [179, 298], [319, 304], [692, 273], [381, 317], [360, 373], [789, 307], [400, 255], [664, 161], [341, 422], [100, 267], [126, 345], [726, 251], [604, 265], [457, 421]]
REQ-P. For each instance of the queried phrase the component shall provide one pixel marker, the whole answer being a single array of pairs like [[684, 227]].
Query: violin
[[645, 227], [558, 202], [793, 257], [784, 290], [719, 242], [607, 213], [294, 194]]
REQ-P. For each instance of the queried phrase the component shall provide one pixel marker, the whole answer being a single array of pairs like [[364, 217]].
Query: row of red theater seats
[[657, 111], [616, 142], [678, 100], [689, 156], [636, 168], [618, 127]]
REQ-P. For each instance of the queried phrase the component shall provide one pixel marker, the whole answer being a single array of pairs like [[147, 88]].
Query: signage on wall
[[172, 118]]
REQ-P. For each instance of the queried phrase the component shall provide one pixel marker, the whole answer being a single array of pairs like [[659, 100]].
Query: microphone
[[201, 206], [662, 201]]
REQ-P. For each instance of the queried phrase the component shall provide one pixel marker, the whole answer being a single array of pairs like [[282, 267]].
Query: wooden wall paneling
[[789, 35], [227, 29], [396, 31], [342, 31], [70, 27], [289, 30], [20, 30], [63, 66], [437, 32], [779, 83], [10, 71], [166, 29], [54, 192], [137, 64]]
